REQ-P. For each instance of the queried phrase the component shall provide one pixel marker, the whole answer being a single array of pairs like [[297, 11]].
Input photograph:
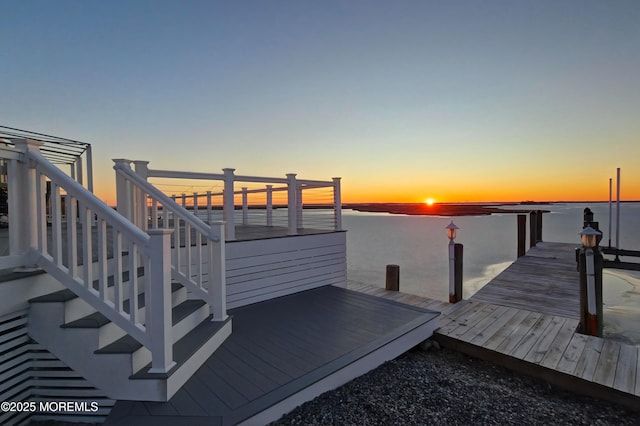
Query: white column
[[292, 203], [245, 206], [337, 203], [79, 177], [141, 217], [209, 212], [228, 204], [123, 205], [89, 168], [158, 319], [22, 201], [299, 223], [269, 205], [217, 273]]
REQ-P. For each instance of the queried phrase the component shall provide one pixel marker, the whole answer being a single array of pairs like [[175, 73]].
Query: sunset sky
[[454, 100]]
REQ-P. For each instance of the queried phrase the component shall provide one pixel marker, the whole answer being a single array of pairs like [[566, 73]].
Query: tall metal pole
[[610, 193], [618, 213]]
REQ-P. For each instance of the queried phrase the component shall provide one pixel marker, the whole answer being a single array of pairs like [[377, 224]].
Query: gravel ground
[[443, 387]]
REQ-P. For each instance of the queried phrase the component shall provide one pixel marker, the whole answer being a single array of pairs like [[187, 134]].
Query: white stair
[[113, 361]]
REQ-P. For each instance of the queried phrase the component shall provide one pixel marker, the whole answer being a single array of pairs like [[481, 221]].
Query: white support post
[[141, 217], [292, 192], [269, 205], [299, 206], [79, 177], [337, 204], [245, 206], [228, 204], [217, 273], [209, 211], [123, 205], [89, 168], [158, 319], [22, 202], [195, 204]]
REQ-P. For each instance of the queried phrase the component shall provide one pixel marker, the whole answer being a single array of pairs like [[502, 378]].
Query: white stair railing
[[132, 250], [198, 255]]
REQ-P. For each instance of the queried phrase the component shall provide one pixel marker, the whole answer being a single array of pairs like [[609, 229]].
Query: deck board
[[527, 317], [282, 346]]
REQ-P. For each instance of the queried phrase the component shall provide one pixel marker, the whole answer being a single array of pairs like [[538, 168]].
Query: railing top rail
[[168, 202], [184, 175], [86, 197]]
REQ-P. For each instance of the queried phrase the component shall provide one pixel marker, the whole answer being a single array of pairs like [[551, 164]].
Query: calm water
[[419, 245]]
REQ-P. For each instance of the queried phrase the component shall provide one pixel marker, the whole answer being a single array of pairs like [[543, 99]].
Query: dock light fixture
[[451, 231], [589, 237], [589, 241]]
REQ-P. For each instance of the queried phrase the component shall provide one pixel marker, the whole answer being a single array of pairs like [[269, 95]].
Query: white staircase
[[111, 359], [143, 308]]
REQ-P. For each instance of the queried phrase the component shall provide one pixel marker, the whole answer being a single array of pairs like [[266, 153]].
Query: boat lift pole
[[610, 193], [618, 214]]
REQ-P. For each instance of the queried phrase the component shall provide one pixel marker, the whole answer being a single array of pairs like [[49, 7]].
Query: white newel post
[[269, 205], [89, 169], [22, 203], [123, 200], [228, 204], [245, 206], [159, 323], [209, 212], [292, 191], [142, 169], [337, 204], [79, 177], [217, 273], [299, 206]]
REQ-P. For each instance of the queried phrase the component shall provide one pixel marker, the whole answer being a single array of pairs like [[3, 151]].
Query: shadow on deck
[[284, 352]]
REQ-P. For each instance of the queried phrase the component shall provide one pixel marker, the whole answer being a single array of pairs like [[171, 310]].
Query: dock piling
[[393, 278], [533, 232], [522, 234]]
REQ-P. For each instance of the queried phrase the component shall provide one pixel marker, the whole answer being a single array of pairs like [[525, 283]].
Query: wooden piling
[[457, 274], [590, 324], [539, 226], [393, 278], [533, 229], [522, 234]]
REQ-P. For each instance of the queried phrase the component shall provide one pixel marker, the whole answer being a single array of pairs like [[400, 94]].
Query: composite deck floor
[[281, 347], [526, 319]]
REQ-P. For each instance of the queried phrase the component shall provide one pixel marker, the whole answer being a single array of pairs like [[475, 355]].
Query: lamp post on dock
[[455, 264], [592, 318]]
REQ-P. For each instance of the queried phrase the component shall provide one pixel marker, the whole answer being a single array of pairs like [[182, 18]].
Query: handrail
[[192, 260], [193, 220], [87, 221], [98, 206]]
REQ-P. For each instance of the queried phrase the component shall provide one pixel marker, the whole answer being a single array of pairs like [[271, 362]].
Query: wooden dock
[[526, 319]]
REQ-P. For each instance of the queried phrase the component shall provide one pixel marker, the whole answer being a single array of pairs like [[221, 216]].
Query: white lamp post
[[451, 233], [589, 241]]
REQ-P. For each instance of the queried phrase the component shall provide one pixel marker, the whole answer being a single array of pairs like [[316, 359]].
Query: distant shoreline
[[419, 209]]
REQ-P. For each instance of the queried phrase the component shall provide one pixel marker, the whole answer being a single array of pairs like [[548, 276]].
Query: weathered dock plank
[[626, 370], [543, 344], [569, 361], [588, 361], [606, 368], [560, 344], [526, 319]]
